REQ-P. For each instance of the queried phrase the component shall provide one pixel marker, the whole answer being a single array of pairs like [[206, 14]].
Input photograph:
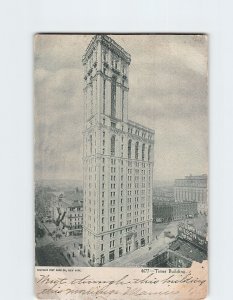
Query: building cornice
[[141, 127], [110, 44]]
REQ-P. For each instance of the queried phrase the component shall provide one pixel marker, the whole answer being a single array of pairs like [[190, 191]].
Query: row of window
[[137, 132], [114, 61], [113, 148], [129, 222], [113, 142]]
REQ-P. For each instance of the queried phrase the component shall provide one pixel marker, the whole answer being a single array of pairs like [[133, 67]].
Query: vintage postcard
[[121, 166]]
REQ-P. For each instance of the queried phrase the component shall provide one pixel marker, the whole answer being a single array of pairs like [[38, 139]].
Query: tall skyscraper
[[117, 158]]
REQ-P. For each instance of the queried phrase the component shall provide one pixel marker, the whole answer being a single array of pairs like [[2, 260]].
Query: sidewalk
[[140, 257], [77, 260]]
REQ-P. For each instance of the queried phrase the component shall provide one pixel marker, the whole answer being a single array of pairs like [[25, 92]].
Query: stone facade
[[117, 158], [192, 188], [69, 214], [174, 211]]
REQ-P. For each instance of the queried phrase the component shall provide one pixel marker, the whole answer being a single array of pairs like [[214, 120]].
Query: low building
[[190, 245], [184, 210], [192, 188], [68, 212], [163, 193], [173, 211], [162, 212]]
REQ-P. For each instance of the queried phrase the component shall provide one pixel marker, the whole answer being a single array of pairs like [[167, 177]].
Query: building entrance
[[142, 242], [120, 251], [102, 259], [111, 255]]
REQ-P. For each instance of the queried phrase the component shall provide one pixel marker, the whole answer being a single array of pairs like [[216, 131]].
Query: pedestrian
[[73, 253]]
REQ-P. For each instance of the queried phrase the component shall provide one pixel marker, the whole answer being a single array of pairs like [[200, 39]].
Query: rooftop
[[200, 225], [110, 43], [72, 196], [139, 126], [194, 177], [188, 250], [75, 203], [172, 203]]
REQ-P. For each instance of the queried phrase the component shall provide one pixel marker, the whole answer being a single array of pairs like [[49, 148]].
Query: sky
[[168, 92]]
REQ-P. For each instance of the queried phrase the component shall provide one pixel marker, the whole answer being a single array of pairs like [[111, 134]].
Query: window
[[136, 150], [116, 64], [149, 153], [122, 103], [111, 255], [95, 55], [113, 97], [120, 251], [105, 57], [129, 148], [104, 88], [113, 145], [143, 151], [91, 87], [91, 144], [124, 70]]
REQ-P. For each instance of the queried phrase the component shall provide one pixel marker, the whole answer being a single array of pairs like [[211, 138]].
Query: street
[[140, 257], [64, 251]]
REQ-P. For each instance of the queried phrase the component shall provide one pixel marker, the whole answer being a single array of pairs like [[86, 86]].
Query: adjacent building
[[117, 158], [192, 188], [173, 211], [164, 194], [68, 213], [190, 245]]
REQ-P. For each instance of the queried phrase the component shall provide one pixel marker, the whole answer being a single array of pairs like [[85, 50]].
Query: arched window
[[149, 153], [91, 144], [104, 88], [129, 148], [113, 145], [105, 55], [143, 151], [122, 100], [136, 150], [91, 95], [113, 97]]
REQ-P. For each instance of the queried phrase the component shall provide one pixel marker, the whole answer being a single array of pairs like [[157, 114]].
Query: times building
[[117, 158]]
